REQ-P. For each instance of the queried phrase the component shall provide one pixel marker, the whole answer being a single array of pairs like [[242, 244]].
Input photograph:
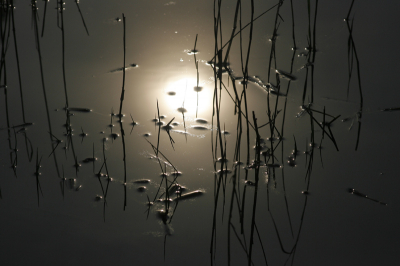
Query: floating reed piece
[[357, 193]]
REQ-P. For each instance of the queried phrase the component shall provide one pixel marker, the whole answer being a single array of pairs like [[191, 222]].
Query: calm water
[[280, 207]]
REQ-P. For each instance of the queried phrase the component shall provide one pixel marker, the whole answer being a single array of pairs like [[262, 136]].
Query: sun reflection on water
[[185, 96]]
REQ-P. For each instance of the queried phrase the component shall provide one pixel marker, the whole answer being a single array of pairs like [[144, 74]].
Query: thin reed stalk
[[120, 110], [36, 32], [352, 46], [256, 173], [83, 20], [44, 15]]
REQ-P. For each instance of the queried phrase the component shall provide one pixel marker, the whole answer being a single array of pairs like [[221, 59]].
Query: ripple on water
[[292, 162], [249, 183], [141, 189], [177, 188], [78, 109], [155, 119], [261, 148], [198, 127], [121, 69], [119, 115], [285, 75], [275, 165], [167, 127], [181, 132], [141, 181], [176, 173], [273, 139], [181, 110], [201, 121], [89, 159], [71, 183], [225, 171], [192, 52], [220, 160], [114, 135]]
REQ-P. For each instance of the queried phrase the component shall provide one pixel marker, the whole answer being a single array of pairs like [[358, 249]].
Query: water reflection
[[254, 186], [182, 96]]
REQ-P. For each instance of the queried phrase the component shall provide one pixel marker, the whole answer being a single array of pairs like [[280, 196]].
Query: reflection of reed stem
[[197, 73], [244, 27], [257, 169], [17, 58], [44, 15], [83, 20], [35, 20], [108, 182], [120, 113], [3, 69], [61, 9], [352, 48], [63, 53]]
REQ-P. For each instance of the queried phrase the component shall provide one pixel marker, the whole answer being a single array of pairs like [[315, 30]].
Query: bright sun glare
[[182, 93]]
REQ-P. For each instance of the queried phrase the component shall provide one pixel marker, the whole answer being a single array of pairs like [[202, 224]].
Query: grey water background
[[338, 228]]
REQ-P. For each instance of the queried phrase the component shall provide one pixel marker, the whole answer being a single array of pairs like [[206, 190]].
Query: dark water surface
[[333, 202]]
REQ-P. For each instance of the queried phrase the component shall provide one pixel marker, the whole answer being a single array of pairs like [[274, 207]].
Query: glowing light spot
[[182, 96]]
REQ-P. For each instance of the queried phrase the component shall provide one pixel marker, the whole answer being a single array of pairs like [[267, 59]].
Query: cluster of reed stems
[[229, 191]]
